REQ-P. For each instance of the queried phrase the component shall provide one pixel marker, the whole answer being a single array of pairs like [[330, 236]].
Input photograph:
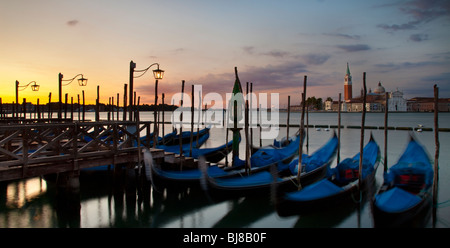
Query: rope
[[294, 181], [439, 205]]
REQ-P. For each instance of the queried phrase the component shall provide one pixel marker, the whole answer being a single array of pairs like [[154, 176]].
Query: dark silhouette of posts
[[155, 129], [132, 67], [361, 144], [386, 112], [84, 106], [436, 155], [181, 126], [125, 102], [192, 121], [302, 133], [60, 77]]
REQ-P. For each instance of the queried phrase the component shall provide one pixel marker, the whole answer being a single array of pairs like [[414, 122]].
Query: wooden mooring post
[[302, 134], [338, 158], [436, 155], [361, 144]]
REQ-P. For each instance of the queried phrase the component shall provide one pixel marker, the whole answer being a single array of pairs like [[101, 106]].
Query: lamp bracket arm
[[23, 87], [145, 70], [71, 80]]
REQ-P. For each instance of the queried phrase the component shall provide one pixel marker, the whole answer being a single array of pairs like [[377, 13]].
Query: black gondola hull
[[350, 194], [286, 184]]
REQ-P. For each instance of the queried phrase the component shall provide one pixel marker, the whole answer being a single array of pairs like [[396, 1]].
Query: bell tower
[[348, 85]]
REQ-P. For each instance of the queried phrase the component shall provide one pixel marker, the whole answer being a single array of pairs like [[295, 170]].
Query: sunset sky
[[403, 44]]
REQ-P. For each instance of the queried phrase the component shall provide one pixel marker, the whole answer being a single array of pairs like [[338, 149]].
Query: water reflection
[[104, 204], [21, 192], [23, 204]]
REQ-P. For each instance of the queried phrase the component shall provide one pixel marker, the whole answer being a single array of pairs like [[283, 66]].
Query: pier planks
[[30, 150]]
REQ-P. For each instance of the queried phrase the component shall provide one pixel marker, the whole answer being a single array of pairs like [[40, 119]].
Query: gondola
[[172, 139], [193, 177], [405, 198], [186, 137], [175, 148], [212, 155], [160, 140], [143, 142], [341, 184], [264, 157], [314, 167], [186, 147]]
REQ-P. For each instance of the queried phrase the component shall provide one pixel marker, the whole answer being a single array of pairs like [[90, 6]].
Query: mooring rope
[[439, 205]]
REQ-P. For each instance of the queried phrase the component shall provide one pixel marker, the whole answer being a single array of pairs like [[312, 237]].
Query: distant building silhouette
[[375, 100], [348, 85], [426, 104]]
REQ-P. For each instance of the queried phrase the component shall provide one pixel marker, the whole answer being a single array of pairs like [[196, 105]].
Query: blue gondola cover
[[186, 147], [396, 200], [348, 169], [317, 159], [413, 167], [268, 156], [320, 189]]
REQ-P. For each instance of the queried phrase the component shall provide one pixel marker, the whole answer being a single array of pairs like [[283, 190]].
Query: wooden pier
[[38, 149]]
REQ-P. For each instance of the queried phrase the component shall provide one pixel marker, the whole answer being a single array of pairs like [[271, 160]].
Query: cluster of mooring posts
[[386, 128]]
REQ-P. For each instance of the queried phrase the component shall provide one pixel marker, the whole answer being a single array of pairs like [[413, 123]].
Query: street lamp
[[81, 82], [34, 87], [157, 74]]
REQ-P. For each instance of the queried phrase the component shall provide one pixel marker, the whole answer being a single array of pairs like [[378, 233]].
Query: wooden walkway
[[30, 150]]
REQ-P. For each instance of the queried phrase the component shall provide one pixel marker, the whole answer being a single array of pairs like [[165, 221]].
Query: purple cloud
[[396, 27], [345, 36], [354, 48], [388, 67], [418, 37], [316, 59], [276, 54], [249, 49], [422, 11], [72, 23]]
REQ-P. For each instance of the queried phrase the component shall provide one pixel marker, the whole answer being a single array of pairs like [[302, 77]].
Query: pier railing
[[37, 149]]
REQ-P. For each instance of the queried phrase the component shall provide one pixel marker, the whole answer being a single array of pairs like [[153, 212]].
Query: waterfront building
[[426, 104], [397, 102], [375, 100]]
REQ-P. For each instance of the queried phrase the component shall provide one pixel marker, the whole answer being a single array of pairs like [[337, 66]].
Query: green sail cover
[[239, 99]]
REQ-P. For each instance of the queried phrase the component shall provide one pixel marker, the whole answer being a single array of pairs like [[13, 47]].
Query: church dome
[[379, 89]]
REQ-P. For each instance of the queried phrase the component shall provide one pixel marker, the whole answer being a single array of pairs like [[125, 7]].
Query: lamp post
[[81, 81], [157, 74], [34, 87]]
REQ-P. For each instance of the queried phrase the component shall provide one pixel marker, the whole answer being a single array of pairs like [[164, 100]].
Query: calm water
[[32, 202]]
